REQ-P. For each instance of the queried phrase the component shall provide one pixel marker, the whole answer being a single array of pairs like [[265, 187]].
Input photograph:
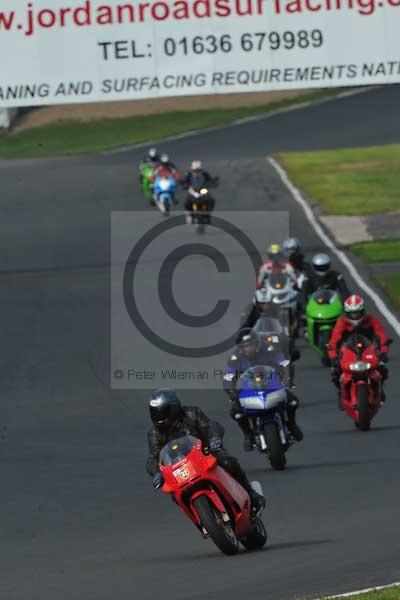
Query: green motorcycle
[[322, 311], [146, 172]]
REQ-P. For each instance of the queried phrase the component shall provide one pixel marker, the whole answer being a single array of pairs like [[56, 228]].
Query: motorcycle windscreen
[[261, 379], [177, 450], [358, 343], [322, 296], [269, 327]]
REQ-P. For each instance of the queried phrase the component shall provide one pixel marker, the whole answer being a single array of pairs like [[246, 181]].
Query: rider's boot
[[248, 441], [292, 426]]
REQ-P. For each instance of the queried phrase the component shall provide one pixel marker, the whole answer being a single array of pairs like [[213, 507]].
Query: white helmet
[[321, 264], [152, 153], [164, 159], [196, 165]]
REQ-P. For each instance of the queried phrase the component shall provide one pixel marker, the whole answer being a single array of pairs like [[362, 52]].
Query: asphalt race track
[[79, 519]]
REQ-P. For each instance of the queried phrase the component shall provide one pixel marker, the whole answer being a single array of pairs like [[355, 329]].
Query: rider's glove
[[216, 445], [158, 481], [384, 357]]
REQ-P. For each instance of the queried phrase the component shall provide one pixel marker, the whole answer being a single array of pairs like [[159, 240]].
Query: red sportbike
[[360, 381], [216, 503]]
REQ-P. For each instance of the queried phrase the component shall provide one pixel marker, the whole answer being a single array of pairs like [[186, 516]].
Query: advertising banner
[[63, 51]]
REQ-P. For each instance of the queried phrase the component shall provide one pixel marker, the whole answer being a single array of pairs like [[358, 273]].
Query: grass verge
[[391, 593], [355, 181], [71, 137], [391, 285], [378, 251]]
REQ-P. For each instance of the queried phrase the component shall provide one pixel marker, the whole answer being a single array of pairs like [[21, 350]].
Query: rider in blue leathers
[[251, 352]]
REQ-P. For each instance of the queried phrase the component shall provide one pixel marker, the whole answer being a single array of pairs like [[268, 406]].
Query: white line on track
[[382, 307], [359, 592]]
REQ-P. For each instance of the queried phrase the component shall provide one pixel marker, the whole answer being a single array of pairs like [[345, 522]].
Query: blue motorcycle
[[262, 397], [164, 190]]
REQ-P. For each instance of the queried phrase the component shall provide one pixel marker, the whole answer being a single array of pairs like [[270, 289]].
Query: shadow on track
[[311, 466], [213, 553]]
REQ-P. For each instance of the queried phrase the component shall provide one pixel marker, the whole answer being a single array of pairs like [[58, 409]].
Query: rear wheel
[[220, 532], [364, 420], [257, 538], [275, 449]]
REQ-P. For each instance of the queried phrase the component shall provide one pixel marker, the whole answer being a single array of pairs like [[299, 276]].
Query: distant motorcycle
[[360, 381], [284, 296], [217, 504], [146, 174], [164, 189], [262, 398]]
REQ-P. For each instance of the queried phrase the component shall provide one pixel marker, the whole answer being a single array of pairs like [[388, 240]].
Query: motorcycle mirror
[[295, 355]]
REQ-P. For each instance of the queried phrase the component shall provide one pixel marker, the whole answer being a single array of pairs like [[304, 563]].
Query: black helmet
[[321, 264], [165, 408], [248, 342]]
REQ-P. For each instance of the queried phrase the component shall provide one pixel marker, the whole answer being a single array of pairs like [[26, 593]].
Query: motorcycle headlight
[[359, 366]]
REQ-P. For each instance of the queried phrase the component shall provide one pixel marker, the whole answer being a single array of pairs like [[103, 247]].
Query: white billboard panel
[[62, 51]]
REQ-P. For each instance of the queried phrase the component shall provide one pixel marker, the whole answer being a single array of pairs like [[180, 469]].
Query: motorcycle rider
[[296, 258], [194, 180], [277, 262], [250, 352], [322, 276], [356, 319], [263, 305], [164, 175], [171, 420], [167, 165], [151, 159]]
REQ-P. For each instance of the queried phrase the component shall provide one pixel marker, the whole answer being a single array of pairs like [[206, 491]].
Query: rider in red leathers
[[355, 318]]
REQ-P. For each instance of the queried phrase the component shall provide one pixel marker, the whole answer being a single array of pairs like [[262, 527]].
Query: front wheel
[[220, 532], [275, 449], [364, 420], [257, 538]]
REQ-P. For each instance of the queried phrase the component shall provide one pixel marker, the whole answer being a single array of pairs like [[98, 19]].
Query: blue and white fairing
[[164, 188], [261, 389]]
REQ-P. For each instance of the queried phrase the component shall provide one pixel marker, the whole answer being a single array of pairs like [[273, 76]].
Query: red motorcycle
[[216, 503], [360, 381]]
